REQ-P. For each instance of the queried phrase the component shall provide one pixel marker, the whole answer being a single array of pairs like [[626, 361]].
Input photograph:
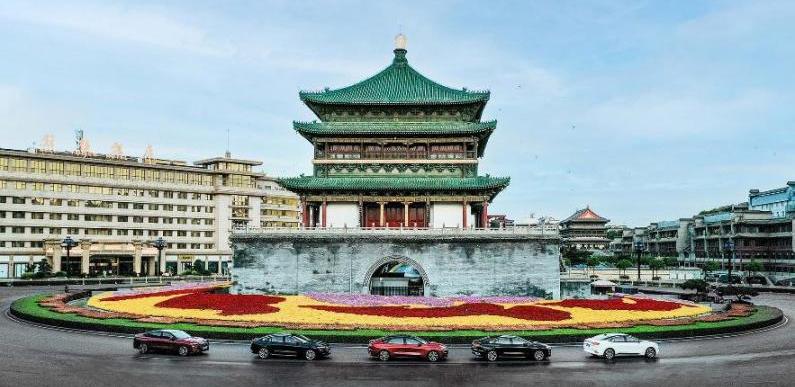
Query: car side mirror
[[419, 344], [173, 339]]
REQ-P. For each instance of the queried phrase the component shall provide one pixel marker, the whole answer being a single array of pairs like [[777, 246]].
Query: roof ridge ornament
[[400, 49]]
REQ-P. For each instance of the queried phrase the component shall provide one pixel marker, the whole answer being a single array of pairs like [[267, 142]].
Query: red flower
[[226, 304], [156, 294], [641, 304], [524, 312]]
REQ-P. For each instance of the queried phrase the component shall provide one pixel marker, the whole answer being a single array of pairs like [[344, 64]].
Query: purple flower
[[373, 300]]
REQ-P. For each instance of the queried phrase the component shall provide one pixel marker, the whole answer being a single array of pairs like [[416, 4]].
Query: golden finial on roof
[[400, 42]]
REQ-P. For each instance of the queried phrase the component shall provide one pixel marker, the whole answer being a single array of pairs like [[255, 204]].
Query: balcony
[[511, 233]]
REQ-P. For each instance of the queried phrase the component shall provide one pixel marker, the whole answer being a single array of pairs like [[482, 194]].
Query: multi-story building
[[668, 238], [780, 201], [755, 235], [114, 206], [584, 229]]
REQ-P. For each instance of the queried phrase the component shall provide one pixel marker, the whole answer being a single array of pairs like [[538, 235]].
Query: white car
[[610, 345]]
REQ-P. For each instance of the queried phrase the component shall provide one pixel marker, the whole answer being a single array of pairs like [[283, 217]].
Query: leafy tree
[[656, 264], [592, 262], [671, 262], [699, 285], [709, 267], [623, 265], [754, 267], [739, 292]]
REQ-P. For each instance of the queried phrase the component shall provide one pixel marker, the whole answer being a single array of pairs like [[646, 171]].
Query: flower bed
[[202, 305], [33, 309]]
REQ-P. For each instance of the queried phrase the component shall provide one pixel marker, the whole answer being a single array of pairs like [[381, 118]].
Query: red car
[[389, 347], [170, 340]]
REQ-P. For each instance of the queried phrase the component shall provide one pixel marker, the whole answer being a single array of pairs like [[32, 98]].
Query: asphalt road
[[38, 356]]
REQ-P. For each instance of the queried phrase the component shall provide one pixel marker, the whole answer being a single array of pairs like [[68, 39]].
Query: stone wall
[[473, 264]]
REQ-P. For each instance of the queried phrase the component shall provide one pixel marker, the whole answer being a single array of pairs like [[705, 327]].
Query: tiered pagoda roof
[[585, 215], [314, 129], [312, 183], [399, 84]]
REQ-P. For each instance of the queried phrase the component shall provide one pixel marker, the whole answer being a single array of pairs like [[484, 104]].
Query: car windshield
[[179, 334]]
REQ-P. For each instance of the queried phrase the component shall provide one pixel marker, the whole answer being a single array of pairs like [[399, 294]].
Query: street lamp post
[[159, 244], [68, 243], [639, 246], [729, 245]]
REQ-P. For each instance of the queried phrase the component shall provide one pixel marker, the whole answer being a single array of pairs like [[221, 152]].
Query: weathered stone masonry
[[469, 264]]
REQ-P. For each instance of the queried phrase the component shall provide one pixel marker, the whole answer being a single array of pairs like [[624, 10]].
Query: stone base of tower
[[430, 262]]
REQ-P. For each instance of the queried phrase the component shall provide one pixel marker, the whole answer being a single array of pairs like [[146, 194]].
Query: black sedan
[[285, 344], [493, 348]]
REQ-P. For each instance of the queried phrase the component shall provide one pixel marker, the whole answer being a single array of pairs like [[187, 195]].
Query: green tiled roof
[[311, 183], [396, 127], [397, 84]]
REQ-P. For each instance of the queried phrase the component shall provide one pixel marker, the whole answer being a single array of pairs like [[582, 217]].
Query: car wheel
[[143, 348], [183, 351], [491, 355], [264, 353], [651, 353], [433, 356], [310, 354], [539, 355], [383, 355], [609, 354]]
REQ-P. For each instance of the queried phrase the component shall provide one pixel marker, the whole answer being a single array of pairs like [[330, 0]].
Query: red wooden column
[[484, 215], [305, 208], [464, 213], [323, 214]]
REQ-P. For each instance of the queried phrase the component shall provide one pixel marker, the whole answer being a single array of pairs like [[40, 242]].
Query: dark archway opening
[[397, 279]]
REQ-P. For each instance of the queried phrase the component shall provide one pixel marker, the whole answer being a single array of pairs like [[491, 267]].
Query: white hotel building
[[114, 206]]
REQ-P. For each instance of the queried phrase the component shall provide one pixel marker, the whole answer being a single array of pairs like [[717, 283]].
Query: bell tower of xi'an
[[396, 150], [395, 204]]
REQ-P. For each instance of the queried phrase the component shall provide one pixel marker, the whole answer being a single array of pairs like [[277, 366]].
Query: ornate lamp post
[[159, 244], [729, 245], [639, 247], [68, 243]]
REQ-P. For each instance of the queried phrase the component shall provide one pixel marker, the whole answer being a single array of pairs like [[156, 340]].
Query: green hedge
[[28, 309]]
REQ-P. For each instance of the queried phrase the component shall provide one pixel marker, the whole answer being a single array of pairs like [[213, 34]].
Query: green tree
[[656, 264], [592, 262], [44, 268], [198, 267], [623, 265], [709, 267], [699, 285], [739, 292], [754, 267], [671, 262]]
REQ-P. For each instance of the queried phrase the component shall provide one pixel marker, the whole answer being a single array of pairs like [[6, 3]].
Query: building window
[[122, 205], [17, 230], [18, 215], [17, 244], [72, 216], [55, 230], [37, 230], [73, 231], [121, 219], [18, 200], [37, 215], [138, 219]]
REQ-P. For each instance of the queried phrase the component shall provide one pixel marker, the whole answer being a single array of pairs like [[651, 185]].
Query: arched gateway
[[396, 276]]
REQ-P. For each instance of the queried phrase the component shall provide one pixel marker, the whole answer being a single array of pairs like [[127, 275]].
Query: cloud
[[140, 25], [25, 119]]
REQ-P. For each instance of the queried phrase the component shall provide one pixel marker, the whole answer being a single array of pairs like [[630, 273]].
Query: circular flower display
[[350, 311]]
